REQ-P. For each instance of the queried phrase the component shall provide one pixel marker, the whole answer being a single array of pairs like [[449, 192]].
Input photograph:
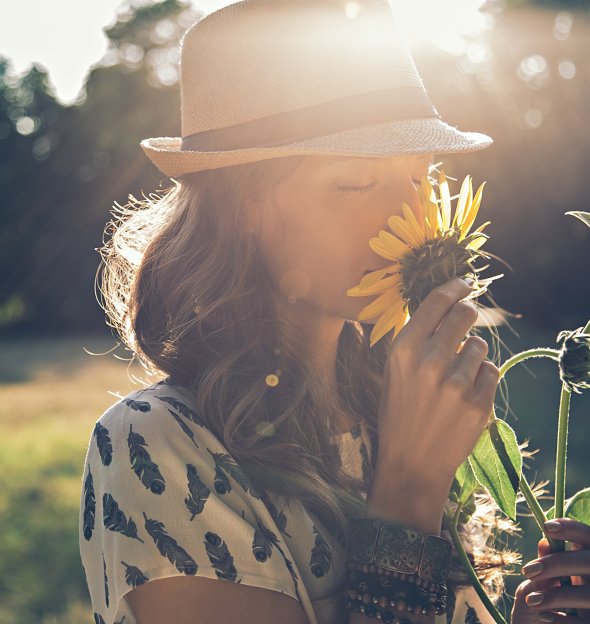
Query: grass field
[[52, 392]]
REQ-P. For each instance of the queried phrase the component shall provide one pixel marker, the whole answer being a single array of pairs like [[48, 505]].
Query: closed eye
[[357, 189]]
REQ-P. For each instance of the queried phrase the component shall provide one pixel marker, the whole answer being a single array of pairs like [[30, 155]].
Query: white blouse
[[161, 497]]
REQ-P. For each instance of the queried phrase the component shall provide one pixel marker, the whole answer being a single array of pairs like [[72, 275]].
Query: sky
[[66, 36]]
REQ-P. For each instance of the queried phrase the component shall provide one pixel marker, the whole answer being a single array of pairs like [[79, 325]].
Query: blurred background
[[80, 87]]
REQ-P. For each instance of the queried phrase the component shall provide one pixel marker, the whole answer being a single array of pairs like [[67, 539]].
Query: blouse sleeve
[[161, 498], [468, 608]]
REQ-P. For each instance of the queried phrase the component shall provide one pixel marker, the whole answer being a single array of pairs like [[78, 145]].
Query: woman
[[234, 480]]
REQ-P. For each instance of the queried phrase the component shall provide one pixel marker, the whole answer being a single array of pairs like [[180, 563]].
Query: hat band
[[363, 109]]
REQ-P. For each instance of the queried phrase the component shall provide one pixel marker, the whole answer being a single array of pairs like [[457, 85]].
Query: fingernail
[[532, 569], [534, 599], [547, 616], [552, 525], [468, 280]]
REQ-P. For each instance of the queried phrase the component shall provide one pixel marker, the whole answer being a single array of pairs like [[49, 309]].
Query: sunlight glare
[[442, 24]]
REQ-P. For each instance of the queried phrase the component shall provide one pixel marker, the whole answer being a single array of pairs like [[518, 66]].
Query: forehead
[[329, 162]]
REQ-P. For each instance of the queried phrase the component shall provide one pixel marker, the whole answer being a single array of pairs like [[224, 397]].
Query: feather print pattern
[[184, 427], [183, 409], [98, 619], [134, 576], [89, 506], [169, 548], [321, 555], [115, 520], [279, 518], [138, 406], [142, 463], [471, 615], [106, 581], [198, 492], [229, 465], [103, 442], [220, 557], [264, 539]]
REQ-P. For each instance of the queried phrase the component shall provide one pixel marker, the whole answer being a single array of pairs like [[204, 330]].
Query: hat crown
[[258, 58]]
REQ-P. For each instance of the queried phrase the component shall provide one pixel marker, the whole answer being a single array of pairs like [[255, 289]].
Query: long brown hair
[[185, 286]]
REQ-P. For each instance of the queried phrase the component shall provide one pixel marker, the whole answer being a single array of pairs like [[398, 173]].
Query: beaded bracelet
[[410, 593]]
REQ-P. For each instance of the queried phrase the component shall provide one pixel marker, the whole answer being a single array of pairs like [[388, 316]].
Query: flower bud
[[574, 359]]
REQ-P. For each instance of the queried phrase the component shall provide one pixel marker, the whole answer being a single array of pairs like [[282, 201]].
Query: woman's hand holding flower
[[542, 585]]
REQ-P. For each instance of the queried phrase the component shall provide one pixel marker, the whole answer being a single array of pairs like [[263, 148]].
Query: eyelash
[[356, 189]]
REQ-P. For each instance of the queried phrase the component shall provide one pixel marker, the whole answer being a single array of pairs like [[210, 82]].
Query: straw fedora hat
[[264, 79]]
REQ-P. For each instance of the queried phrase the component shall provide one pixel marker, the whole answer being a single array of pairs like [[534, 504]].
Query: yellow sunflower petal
[[433, 218], [379, 287], [477, 242], [381, 248], [400, 322], [470, 217], [445, 200], [373, 277], [412, 220], [403, 230], [385, 324], [398, 247], [462, 203], [384, 302]]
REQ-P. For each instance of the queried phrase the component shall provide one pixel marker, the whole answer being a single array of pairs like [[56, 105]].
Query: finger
[[569, 530], [559, 564], [470, 357], [460, 318], [557, 617], [435, 306], [487, 380], [559, 598]]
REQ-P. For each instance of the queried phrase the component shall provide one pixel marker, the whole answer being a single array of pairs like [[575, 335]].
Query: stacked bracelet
[[395, 566], [400, 549]]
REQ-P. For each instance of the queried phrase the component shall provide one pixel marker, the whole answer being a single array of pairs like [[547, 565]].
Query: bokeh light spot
[[567, 69], [272, 380]]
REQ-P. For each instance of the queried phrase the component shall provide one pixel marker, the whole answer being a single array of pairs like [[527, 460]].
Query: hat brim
[[396, 138]]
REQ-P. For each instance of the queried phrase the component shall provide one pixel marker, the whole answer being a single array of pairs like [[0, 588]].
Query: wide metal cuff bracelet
[[400, 549]]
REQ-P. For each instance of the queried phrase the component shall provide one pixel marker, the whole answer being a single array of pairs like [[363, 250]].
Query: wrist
[[413, 503]]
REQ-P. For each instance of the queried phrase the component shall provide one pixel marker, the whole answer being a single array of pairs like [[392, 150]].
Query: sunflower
[[426, 249]]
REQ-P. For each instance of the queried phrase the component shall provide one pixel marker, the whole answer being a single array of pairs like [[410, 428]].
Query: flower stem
[[524, 355], [469, 568]]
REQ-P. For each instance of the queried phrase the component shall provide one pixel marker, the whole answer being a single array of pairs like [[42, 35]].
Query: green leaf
[[467, 481], [583, 216], [576, 507], [497, 464]]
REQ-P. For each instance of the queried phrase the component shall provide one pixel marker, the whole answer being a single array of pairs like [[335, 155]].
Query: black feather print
[[103, 442], [115, 520], [264, 540], [121, 621], [321, 555], [142, 463], [366, 468], [138, 406], [355, 432], [98, 619], [134, 576], [106, 582], [183, 409], [169, 548], [279, 518], [89, 506], [198, 492], [471, 615], [220, 557], [293, 574], [451, 600], [228, 463], [184, 427]]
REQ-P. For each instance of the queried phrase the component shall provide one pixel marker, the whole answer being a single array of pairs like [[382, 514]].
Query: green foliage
[[576, 507], [497, 464]]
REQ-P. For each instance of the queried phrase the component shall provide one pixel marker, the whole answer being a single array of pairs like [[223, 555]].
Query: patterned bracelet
[[400, 549]]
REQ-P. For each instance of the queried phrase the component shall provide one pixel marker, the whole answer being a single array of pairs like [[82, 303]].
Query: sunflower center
[[434, 263]]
